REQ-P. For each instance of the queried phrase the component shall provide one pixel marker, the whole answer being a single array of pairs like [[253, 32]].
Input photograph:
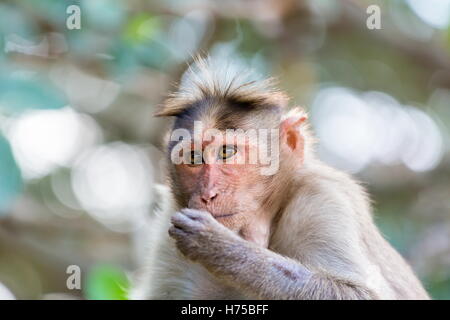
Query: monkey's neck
[[284, 187], [259, 230]]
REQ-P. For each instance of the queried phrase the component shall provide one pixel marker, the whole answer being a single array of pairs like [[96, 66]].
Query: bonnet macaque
[[256, 215]]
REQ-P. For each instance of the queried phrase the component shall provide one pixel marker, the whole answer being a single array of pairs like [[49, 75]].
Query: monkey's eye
[[227, 151], [196, 158]]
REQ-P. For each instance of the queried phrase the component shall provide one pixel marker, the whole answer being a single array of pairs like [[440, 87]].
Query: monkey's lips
[[218, 216], [217, 212]]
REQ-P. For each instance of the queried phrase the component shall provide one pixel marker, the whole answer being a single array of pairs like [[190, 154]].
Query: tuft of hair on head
[[219, 79]]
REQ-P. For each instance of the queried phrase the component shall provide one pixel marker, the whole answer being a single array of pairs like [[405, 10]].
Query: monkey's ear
[[290, 130]]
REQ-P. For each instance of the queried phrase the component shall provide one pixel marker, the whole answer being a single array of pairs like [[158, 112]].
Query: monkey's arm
[[256, 271]]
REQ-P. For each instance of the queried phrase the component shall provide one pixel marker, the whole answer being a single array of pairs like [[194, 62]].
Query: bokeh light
[[356, 130], [434, 12], [5, 293], [114, 183], [45, 139]]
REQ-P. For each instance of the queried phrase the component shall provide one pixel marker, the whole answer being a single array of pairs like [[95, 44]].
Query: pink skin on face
[[219, 187]]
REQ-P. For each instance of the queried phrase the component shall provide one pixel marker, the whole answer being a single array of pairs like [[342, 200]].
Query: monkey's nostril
[[209, 196]]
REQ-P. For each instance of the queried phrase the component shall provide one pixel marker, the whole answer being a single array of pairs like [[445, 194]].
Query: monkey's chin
[[232, 221]]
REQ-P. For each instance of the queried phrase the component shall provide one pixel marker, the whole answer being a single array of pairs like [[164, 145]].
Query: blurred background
[[80, 159]]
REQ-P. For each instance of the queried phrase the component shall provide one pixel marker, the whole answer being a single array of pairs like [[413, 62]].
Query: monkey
[[304, 232]]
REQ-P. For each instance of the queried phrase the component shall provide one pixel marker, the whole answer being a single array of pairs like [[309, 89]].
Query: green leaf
[[142, 28], [107, 282]]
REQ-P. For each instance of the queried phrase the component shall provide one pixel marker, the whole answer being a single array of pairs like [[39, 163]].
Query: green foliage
[[106, 282], [142, 28], [438, 287]]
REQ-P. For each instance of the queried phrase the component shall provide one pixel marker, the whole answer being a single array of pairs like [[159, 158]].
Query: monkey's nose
[[209, 196]]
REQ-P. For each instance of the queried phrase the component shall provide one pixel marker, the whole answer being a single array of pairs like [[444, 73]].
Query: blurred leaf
[[439, 288], [10, 178], [19, 94], [106, 282], [142, 27]]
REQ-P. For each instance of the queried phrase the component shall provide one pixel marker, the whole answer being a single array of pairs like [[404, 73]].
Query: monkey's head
[[231, 147]]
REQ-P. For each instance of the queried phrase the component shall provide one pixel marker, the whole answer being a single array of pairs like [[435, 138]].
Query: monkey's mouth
[[224, 215]]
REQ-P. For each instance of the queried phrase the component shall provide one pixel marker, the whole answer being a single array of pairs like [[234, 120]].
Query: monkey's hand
[[256, 271], [198, 235]]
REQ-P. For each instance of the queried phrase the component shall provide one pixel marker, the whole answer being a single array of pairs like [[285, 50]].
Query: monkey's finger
[[183, 222], [195, 214], [177, 233], [179, 219]]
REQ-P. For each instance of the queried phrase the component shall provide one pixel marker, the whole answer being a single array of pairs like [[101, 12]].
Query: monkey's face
[[219, 178]]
